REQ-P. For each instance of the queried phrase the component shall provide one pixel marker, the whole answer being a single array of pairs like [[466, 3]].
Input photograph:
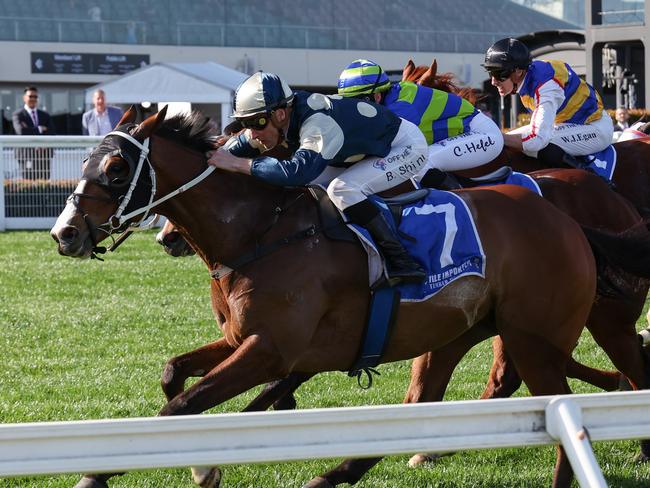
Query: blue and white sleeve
[[302, 168], [241, 146]]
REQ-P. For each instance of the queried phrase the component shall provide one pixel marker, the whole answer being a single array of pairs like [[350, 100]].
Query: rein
[[260, 251]]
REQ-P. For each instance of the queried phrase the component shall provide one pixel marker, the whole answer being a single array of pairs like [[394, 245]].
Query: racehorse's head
[[116, 178], [173, 242]]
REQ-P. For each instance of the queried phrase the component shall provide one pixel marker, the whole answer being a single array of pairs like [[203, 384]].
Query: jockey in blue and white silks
[[567, 113], [459, 136], [375, 149]]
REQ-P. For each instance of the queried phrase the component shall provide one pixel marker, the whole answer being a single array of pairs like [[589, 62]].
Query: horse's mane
[[192, 130], [428, 76]]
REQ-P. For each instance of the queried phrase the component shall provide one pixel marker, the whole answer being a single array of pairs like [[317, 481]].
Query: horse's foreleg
[[194, 363], [279, 393], [254, 362], [95, 480], [503, 380]]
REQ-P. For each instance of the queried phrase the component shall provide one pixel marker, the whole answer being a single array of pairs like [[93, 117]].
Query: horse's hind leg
[[624, 350], [504, 379], [543, 368], [430, 374]]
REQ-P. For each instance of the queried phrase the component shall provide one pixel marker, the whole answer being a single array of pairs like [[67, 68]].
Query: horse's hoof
[[86, 482], [318, 482], [207, 477], [641, 458], [624, 384], [426, 458], [420, 459]]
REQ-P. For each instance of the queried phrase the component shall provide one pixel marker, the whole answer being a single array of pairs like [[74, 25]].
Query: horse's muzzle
[[71, 242]]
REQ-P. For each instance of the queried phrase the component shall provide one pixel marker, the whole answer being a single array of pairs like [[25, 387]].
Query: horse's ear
[[408, 69], [151, 124], [429, 75], [128, 117]]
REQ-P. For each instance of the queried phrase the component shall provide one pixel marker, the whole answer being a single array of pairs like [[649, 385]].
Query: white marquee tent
[[206, 82]]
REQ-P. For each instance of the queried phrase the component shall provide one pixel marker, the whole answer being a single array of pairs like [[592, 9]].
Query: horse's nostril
[[170, 238], [68, 234]]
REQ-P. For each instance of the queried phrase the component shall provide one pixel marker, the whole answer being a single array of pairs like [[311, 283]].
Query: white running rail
[[203, 440], [37, 173]]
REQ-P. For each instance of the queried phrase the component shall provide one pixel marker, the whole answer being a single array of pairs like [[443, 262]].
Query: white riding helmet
[[261, 92]]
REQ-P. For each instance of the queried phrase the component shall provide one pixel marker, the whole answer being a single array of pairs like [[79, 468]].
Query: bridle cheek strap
[[118, 219]]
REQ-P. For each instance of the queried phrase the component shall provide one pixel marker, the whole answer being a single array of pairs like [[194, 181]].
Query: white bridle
[[117, 220]]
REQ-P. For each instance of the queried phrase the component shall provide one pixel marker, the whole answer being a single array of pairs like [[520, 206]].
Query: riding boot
[[400, 265], [440, 180], [553, 156]]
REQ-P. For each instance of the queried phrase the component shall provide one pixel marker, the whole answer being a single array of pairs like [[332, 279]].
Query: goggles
[[499, 74], [258, 122]]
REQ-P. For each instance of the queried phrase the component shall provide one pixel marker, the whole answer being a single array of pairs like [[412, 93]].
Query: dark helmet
[[507, 55]]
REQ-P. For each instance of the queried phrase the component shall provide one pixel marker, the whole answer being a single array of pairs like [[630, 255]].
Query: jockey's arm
[[223, 159], [303, 167], [318, 137], [237, 153], [537, 135]]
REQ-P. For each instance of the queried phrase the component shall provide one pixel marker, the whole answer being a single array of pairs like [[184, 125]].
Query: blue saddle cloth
[[603, 163], [441, 235]]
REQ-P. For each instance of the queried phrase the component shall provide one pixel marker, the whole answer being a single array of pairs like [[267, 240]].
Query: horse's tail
[[627, 252]]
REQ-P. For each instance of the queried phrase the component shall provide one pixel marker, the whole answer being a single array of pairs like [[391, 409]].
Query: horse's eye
[[117, 171]]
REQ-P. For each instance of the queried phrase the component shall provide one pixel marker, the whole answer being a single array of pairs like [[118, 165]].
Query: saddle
[[496, 177], [331, 220]]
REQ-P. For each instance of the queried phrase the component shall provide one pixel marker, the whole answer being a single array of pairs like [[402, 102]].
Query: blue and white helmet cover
[[261, 92]]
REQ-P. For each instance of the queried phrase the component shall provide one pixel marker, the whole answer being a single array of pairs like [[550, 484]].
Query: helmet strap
[[515, 85]]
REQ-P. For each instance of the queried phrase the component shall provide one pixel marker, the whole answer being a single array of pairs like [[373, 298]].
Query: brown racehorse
[[319, 310], [632, 180], [586, 198]]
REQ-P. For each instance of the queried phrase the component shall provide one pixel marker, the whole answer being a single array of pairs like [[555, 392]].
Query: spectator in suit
[[102, 119], [621, 124], [622, 117], [34, 163]]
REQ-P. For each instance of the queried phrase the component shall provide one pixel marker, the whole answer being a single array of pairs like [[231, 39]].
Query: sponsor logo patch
[[379, 164]]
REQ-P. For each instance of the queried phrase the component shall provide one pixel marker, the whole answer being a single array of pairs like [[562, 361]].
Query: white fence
[[38, 173], [204, 440]]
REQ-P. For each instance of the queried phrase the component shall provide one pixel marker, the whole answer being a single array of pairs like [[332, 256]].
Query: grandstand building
[[616, 56], [66, 46]]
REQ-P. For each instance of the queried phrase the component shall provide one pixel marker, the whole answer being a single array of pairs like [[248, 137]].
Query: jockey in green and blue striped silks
[[459, 136], [567, 112]]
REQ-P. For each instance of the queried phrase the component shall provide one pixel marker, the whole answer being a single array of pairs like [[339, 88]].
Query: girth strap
[[261, 251]]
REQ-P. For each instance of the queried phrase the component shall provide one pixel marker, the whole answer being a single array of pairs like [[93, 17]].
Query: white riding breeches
[[479, 145], [579, 139], [406, 158]]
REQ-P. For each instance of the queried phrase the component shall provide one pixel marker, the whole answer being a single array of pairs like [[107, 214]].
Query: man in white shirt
[[102, 119]]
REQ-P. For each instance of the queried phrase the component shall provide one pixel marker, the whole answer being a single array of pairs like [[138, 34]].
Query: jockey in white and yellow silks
[[459, 136], [567, 113]]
